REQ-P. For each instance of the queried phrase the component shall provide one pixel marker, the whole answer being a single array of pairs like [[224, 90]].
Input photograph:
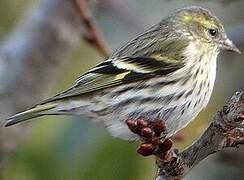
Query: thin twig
[[92, 34]]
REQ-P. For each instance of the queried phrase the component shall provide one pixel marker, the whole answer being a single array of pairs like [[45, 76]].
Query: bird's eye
[[212, 32]]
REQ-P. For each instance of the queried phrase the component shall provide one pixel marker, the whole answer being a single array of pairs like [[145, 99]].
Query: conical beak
[[230, 46]]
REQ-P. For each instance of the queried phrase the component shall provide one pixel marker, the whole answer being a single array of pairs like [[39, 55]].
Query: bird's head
[[199, 24]]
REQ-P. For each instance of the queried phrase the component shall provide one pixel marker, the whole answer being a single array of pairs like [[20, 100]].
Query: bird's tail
[[37, 111]]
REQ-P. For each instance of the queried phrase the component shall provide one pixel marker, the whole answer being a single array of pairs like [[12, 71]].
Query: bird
[[166, 73]]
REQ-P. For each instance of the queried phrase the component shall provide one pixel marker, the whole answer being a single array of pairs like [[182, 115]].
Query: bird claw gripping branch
[[151, 135]]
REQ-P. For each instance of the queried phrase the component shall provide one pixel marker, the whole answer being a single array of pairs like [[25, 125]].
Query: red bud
[[147, 132], [146, 149]]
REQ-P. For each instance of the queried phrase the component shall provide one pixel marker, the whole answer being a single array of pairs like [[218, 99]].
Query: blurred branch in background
[[91, 35], [40, 44], [225, 131], [43, 41]]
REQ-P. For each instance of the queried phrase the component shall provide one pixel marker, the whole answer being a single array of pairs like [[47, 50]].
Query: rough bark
[[226, 130]]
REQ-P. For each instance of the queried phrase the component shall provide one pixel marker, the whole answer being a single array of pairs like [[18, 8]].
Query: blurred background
[[42, 53]]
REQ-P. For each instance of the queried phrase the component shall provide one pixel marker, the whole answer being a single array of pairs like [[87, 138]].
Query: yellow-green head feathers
[[199, 15], [199, 24]]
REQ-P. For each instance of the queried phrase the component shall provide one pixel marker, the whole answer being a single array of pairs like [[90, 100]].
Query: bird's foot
[[151, 133]]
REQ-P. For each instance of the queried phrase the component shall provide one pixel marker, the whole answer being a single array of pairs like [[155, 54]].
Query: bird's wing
[[119, 71]]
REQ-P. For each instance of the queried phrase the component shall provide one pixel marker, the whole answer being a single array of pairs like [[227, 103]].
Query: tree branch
[[92, 34], [226, 130]]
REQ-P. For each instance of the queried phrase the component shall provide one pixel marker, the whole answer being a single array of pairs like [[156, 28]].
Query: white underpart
[[175, 120], [208, 65]]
